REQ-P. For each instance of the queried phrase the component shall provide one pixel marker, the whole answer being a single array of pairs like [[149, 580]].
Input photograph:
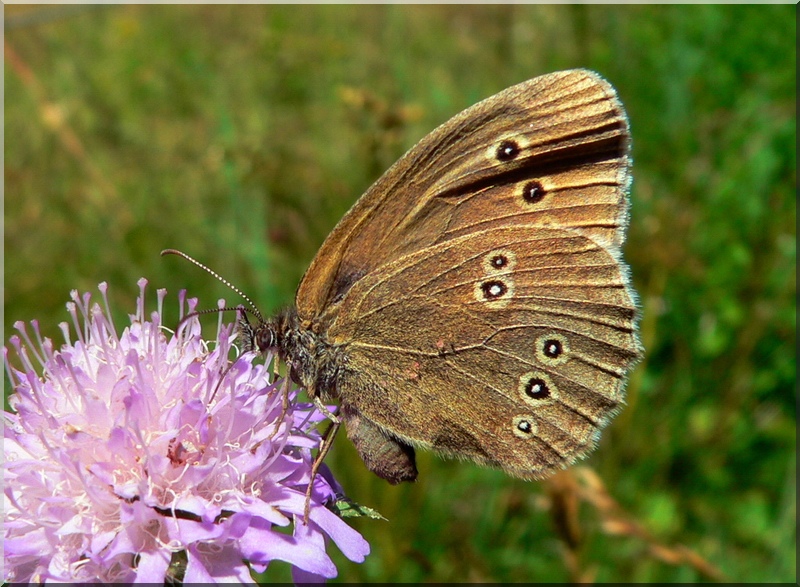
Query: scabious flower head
[[143, 457]]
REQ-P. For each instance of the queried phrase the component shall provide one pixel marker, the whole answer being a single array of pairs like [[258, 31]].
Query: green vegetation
[[242, 134]]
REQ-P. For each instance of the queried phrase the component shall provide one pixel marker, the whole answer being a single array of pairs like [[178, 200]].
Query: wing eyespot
[[552, 349], [536, 389], [533, 192], [495, 292], [507, 150], [493, 289], [524, 426], [499, 261]]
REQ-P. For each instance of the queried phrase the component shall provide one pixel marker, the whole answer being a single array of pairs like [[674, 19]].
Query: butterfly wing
[[507, 346], [550, 151], [476, 290]]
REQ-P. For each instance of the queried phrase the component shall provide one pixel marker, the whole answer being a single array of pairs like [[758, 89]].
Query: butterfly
[[474, 300]]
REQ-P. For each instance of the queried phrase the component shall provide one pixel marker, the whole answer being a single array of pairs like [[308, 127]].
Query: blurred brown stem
[[567, 489]]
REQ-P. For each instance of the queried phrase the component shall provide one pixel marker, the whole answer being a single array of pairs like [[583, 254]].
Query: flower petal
[[124, 448]]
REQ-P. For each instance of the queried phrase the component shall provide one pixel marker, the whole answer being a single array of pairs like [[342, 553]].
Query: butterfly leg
[[284, 404], [324, 447]]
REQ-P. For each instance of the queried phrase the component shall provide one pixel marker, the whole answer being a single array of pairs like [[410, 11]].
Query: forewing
[[552, 151]]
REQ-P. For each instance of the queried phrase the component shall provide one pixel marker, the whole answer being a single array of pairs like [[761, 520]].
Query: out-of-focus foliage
[[242, 134]]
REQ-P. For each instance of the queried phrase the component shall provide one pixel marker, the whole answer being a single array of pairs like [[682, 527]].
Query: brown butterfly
[[474, 301]]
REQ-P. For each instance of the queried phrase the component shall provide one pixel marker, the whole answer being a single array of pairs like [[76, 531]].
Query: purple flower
[[131, 455]]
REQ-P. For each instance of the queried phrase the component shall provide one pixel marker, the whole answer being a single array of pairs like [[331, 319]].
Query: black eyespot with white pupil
[[524, 426], [552, 348], [507, 151], [499, 261], [493, 289], [537, 388], [533, 192]]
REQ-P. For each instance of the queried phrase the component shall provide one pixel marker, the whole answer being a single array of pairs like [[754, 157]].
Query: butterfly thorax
[[313, 362]]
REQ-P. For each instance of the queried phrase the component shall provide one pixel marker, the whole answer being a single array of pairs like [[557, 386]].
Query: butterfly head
[[263, 336], [282, 334], [260, 337]]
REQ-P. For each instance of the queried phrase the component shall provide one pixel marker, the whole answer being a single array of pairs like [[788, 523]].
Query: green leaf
[[347, 508]]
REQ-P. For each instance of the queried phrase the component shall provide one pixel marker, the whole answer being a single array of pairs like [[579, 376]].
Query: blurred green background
[[242, 134]]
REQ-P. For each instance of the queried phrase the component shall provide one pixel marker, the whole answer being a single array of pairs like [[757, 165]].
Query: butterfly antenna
[[254, 310], [214, 311]]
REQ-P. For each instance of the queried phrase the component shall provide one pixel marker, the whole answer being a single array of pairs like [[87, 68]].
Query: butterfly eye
[[536, 388], [533, 192], [507, 151], [524, 426]]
